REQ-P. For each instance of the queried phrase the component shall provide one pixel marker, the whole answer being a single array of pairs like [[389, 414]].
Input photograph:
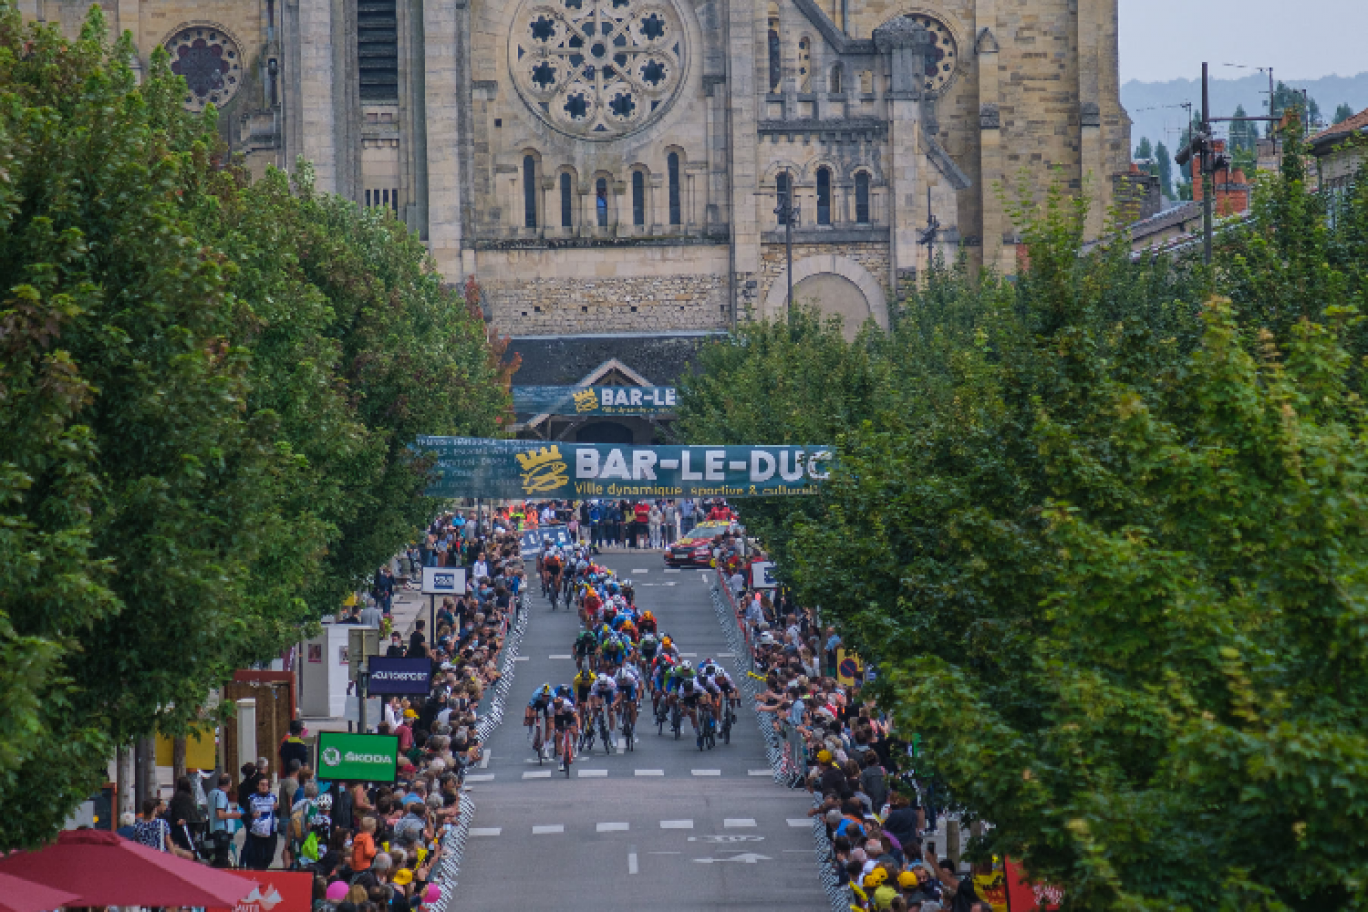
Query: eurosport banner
[[399, 676], [476, 467], [593, 400], [361, 758]]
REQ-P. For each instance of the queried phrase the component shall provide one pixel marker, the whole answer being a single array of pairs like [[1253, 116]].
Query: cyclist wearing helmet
[[564, 716], [583, 681], [629, 687], [603, 696], [647, 622], [585, 646]]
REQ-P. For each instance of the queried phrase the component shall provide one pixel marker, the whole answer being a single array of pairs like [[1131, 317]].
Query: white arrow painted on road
[[746, 858]]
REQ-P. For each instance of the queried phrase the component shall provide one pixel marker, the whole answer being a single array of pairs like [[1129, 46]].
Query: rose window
[[943, 60], [210, 62], [597, 69]]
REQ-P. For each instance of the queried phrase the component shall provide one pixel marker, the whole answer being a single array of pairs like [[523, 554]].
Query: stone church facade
[[615, 166]]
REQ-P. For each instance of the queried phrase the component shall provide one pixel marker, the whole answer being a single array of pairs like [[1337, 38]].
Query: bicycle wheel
[[726, 729], [676, 720], [569, 753], [537, 742], [605, 735], [627, 732], [660, 715]]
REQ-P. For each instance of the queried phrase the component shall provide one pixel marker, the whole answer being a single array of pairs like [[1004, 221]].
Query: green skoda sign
[[366, 758]]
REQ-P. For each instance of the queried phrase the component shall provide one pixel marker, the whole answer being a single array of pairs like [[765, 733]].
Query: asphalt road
[[662, 825]]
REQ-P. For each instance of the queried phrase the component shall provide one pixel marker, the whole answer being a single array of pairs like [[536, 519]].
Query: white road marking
[[485, 831], [650, 772], [726, 655], [759, 773], [707, 772], [670, 583], [522, 658], [610, 827], [676, 824], [592, 774], [560, 657], [546, 830], [800, 822], [737, 822], [672, 570], [631, 863], [483, 777], [484, 759], [543, 774], [635, 572], [688, 655], [681, 853]]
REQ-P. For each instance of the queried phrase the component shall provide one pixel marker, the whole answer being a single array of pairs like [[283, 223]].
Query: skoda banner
[[359, 758], [475, 467], [399, 676], [593, 400]]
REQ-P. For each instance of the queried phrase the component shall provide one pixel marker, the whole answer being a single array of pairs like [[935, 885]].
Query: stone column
[[441, 99], [313, 84], [743, 95], [905, 44], [991, 173], [1092, 167]]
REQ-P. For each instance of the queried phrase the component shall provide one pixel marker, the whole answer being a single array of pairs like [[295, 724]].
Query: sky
[[1307, 39]]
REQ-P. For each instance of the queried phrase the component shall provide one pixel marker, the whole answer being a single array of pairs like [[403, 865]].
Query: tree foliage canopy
[[206, 393], [1102, 530]]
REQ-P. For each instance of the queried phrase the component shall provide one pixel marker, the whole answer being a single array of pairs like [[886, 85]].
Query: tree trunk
[[952, 842], [177, 759]]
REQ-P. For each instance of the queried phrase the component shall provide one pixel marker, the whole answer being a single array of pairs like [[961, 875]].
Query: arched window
[[672, 176], [862, 198], [601, 201], [781, 188], [805, 64], [529, 191], [567, 202], [834, 84], [638, 198], [823, 196], [775, 54]]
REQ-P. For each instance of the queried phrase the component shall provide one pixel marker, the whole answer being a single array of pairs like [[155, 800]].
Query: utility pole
[[1205, 169]]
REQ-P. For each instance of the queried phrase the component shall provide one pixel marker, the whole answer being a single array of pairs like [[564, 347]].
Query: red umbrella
[[103, 869], [19, 895]]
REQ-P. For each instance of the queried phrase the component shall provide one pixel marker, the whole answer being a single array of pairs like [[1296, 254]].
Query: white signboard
[[762, 575], [444, 581]]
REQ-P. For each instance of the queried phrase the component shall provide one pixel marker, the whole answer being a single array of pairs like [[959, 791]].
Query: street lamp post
[[789, 215]]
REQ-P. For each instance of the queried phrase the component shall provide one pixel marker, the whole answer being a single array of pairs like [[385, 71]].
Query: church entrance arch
[[839, 286]]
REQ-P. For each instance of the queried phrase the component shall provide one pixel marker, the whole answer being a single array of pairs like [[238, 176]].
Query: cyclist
[[563, 715], [603, 696], [583, 681], [552, 565], [586, 644], [648, 646], [539, 713], [721, 683], [628, 687], [647, 622], [690, 693], [611, 652]]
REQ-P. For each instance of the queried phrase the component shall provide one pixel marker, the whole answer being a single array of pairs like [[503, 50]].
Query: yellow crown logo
[[585, 401], [543, 470]]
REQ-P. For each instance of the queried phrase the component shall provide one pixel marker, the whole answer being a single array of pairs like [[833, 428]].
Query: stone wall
[[606, 290], [873, 257]]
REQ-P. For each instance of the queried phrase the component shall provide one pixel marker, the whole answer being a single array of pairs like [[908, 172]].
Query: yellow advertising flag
[[848, 667]]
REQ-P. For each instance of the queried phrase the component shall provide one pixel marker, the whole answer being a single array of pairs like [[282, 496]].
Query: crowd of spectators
[[845, 752]]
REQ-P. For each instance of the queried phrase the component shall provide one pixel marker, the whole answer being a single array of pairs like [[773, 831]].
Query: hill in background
[[1154, 105]]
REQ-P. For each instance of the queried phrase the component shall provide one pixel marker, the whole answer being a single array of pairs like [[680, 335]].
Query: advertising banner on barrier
[[594, 400], [399, 676], [475, 467], [274, 891]]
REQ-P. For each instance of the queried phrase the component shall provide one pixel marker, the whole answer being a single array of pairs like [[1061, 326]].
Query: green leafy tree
[[1144, 152], [208, 394], [1244, 140], [1284, 98], [1342, 113], [1164, 168]]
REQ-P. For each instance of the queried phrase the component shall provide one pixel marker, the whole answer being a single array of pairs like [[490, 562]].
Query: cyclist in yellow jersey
[[582, 683]]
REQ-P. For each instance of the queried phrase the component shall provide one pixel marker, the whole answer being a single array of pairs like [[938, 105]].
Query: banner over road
[[594, 400], [476, 467]]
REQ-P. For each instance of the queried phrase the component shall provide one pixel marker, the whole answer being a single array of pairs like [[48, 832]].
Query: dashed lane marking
[[485, 831], [650, 773], [672, 570], [799, 822], [763, 772], [611, 827], [593, 774], [559, 657], [635, 572], [676, 824], [483, 777], [546, 830], [538, 774], [631, 862], [484, 759], [732, 823], [707, 772]]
